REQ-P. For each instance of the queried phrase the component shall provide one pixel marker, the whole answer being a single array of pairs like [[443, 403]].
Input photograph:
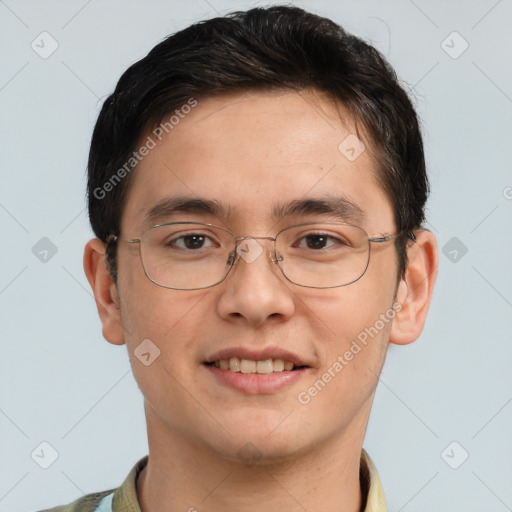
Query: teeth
[[279, 365], [266, 366], [247, 366], [235, 364]]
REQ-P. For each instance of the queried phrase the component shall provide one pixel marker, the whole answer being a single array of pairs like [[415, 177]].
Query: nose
[[255, 291]]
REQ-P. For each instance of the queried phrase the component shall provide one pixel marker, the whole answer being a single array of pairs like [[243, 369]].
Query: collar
[[125, 497], [371, 486]]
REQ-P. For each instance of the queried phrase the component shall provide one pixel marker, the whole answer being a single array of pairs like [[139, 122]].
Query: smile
[[235, 364]]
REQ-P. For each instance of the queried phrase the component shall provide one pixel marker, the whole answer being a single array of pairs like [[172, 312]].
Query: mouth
[[262, 366], [257, 372]]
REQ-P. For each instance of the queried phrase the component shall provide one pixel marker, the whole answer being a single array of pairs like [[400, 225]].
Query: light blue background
[[60, 382]]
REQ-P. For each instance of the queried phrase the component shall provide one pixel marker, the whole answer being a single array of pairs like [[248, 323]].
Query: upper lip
[[257, 355]]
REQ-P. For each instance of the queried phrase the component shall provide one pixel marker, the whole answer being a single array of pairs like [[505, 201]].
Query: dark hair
[[279, 47]]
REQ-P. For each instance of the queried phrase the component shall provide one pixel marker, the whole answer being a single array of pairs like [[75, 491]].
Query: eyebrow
[[338, 208], [182, 204]]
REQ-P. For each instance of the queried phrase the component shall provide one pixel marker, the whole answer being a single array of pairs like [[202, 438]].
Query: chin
[[254, 453], [263, 443]]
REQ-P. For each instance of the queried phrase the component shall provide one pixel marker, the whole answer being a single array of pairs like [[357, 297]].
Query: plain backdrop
[[439, 432]]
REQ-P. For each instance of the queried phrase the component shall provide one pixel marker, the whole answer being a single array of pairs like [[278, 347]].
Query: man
[[257, 188]]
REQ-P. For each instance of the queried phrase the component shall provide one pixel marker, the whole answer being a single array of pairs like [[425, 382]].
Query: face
[[251, 152]]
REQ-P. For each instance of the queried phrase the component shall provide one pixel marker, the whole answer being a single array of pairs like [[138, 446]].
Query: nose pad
[[231, 258], [275, 257]]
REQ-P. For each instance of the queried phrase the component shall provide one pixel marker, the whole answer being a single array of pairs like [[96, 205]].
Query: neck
[[182, 476]]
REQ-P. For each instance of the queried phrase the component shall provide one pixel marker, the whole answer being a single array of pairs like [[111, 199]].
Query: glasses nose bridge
[[249, 237], [273, 255]]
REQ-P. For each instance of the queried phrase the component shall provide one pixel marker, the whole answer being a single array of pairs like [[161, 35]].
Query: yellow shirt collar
[[371, 485]]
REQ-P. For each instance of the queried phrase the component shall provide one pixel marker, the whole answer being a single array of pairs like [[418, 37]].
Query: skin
[[251, 150]]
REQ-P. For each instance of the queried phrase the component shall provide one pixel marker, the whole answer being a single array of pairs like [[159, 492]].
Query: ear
[[105, 291], [415, 289]]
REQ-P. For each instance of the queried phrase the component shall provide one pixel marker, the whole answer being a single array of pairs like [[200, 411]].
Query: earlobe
[[415, 289], [105, 291]]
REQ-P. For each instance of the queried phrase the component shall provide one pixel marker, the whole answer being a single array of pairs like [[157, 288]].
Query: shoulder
[[121, 498], [87, 503]]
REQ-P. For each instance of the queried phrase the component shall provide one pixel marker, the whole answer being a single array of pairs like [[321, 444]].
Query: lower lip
[[257, 383]]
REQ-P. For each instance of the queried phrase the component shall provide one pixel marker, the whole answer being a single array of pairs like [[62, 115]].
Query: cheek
[[162, 343], [148, 310], [167, 317], [346, 312], [162, 323], [358, 337], [353, 337], [353, 356]]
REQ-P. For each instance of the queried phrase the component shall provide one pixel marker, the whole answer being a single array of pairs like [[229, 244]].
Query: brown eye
[[316, 241], [320, 241], [193, 241]]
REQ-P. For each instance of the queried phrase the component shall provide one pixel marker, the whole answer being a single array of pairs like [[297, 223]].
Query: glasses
[[194, 255]]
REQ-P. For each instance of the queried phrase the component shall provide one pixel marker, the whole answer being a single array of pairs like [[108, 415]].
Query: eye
[[317, 241], [192, 241]]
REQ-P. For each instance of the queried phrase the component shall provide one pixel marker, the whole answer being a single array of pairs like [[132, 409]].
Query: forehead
[[255, 153]]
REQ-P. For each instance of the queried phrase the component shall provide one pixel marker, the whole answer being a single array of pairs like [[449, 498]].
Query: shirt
[[124, 498]]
